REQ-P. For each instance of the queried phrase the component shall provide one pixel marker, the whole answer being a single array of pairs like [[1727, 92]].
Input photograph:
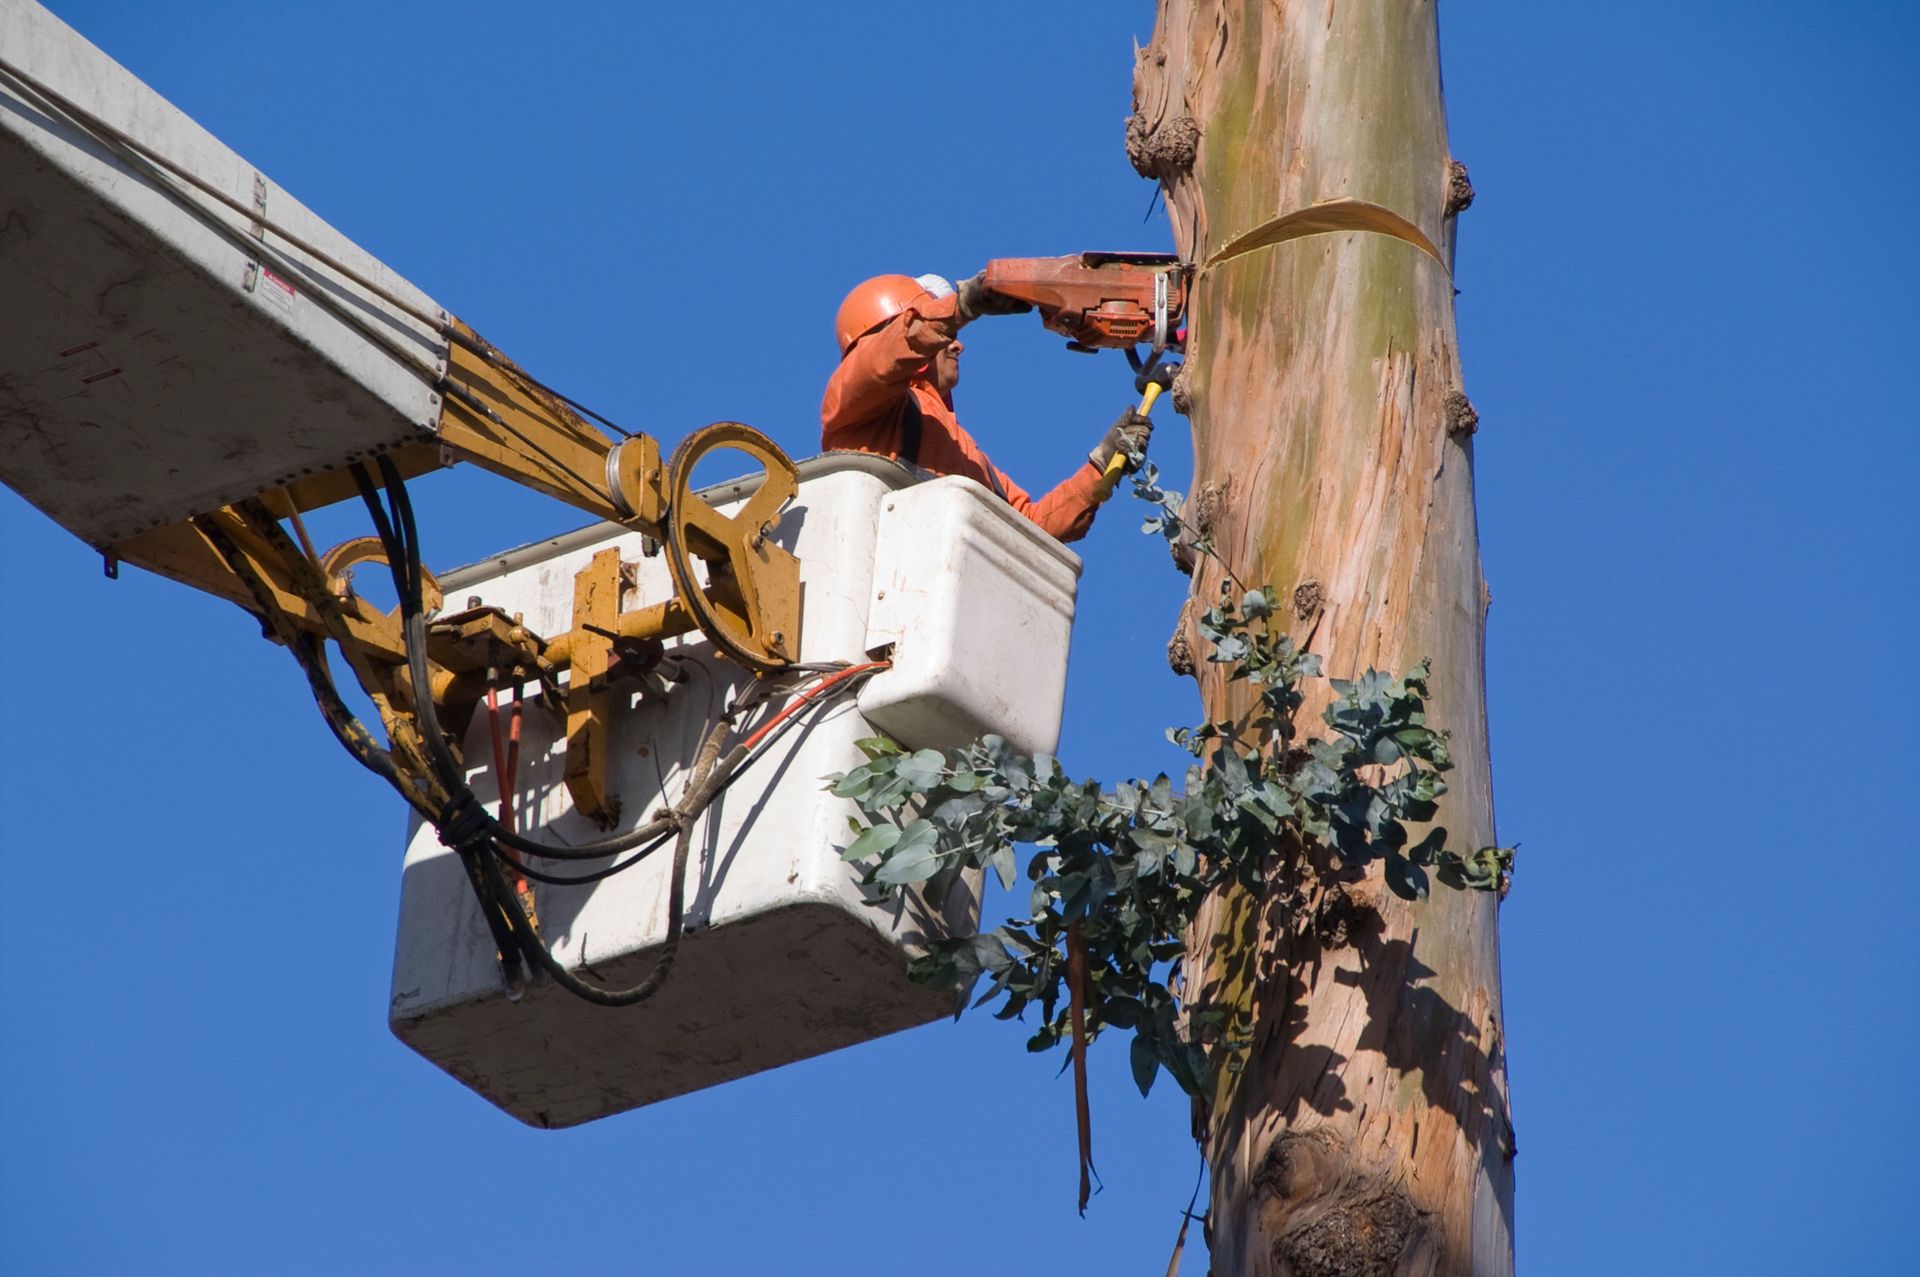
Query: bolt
[[473, 601], [779, 638]]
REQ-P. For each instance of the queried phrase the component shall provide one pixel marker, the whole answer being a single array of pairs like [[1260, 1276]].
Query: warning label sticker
[[275, 291]]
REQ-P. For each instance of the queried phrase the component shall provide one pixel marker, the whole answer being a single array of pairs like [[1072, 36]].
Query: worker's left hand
[[976, 299], [1128, 437]]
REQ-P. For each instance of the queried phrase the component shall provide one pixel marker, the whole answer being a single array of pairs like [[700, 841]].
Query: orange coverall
[[865, 410]]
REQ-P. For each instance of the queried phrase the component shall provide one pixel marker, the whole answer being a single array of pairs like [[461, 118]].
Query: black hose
[[399, 538], [466, 827], [345, 724], [534, 948], [347, 728], [725, 783]]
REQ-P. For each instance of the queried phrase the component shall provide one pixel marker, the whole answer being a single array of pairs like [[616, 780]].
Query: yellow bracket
[[733, 583], [596, 610]]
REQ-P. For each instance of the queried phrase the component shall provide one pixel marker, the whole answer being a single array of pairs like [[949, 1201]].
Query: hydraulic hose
[[399, 537], [535, 948], [479, 839]]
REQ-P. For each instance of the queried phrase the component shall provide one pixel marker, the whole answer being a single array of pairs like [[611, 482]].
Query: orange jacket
[[865, 410]]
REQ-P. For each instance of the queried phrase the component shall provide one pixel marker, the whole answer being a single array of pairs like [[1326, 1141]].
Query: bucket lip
[[889, 471], [1016, 525]]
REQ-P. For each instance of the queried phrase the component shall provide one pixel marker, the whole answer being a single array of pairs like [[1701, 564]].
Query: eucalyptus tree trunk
[[1367, 1129]]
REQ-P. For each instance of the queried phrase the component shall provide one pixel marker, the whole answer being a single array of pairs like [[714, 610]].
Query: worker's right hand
[[976, 299], [1128, 437]]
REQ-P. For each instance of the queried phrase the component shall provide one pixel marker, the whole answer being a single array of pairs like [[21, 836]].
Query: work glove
[[976, 299], [1129, 437]]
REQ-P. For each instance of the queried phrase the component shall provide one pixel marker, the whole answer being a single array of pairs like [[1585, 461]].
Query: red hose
[[803, 699], [506, 770]]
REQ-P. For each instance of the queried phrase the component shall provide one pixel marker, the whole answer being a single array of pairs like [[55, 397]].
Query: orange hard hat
[[872, 303]]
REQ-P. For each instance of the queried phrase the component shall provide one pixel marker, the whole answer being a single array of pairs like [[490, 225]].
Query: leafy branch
[[1129, 866]]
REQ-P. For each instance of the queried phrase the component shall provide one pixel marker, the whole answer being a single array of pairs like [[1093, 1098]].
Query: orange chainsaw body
[[1099, 299]]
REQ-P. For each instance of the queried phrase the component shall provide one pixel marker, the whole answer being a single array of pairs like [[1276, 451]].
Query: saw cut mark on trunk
[[1328, 218]]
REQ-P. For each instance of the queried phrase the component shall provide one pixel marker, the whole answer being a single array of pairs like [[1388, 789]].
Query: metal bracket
[[1159, 310], [596, 614], [258, 229]]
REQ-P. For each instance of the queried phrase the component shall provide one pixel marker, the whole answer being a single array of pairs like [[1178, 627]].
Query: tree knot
[[1182, 392], [1462, 419], [1322, 1218], [1180, 648], [1165, 151], [1459, 189], [1308, 598], [1208, 503]]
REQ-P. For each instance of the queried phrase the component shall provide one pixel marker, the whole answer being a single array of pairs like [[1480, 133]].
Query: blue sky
[[1687, 322]]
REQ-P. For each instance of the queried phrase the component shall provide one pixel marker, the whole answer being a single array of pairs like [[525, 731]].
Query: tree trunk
[[1367, 1129]]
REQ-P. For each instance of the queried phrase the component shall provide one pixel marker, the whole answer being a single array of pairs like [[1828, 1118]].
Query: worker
[[893, 395]]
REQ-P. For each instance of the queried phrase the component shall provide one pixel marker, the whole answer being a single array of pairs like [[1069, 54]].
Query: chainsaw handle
[[1117, 464], [1118, 461], [1146, 400]]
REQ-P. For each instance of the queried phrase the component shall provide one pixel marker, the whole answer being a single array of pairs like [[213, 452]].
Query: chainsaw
[[1100, 300], [1124, 300], [1111, 300]]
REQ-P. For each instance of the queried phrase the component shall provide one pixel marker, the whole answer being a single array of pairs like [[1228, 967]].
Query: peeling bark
[[1367, 1131]]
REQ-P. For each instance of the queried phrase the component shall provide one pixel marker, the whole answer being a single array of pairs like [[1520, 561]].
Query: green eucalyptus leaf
[[886, 793], [914, 858], [1228, 647], [922, 770], [853, 784], [1003, 864], [872, 841], [1145, 1058], [1131, 864], [956, 809]]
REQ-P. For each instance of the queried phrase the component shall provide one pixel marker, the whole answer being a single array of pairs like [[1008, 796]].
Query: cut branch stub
[[1462, 418], [1180, 646], [1320, 1217], [1182, 392], [1459, 189], [1164, 152]]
